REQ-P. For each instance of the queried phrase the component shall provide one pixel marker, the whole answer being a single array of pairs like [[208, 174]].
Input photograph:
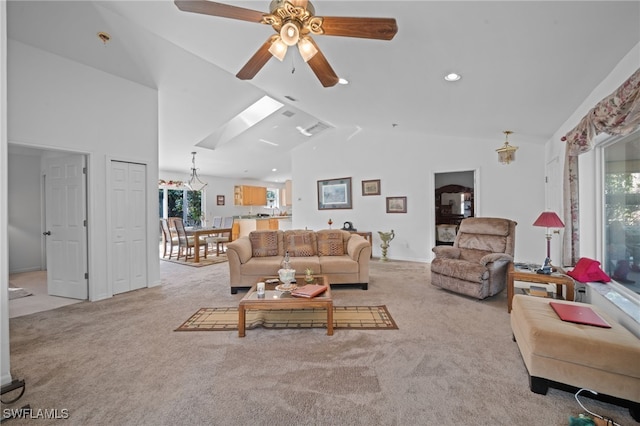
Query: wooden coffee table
[[274, 300]]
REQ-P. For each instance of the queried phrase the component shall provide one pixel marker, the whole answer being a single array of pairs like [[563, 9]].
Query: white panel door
[[66, 232], [128, 226], [138, 225]]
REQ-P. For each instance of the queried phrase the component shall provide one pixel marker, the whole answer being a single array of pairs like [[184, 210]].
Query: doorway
[[454, 200], [28, 220]]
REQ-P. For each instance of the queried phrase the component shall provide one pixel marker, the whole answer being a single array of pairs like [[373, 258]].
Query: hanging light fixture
[[507, 153], [194, 183], [306, 48]]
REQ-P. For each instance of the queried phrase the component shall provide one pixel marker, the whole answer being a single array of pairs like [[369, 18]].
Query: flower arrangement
[[175, 183]]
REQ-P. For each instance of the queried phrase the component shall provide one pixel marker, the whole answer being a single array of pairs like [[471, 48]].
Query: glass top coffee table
[[279, 300]]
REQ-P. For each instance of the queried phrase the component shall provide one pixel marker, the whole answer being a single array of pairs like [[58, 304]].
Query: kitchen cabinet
[[246, 195]]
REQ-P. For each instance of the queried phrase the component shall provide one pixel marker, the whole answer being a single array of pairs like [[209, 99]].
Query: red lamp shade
[[548, 220]]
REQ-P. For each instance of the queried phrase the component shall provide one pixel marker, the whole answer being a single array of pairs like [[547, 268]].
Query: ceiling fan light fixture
[[278, 49], [290, 33], [307, 49]]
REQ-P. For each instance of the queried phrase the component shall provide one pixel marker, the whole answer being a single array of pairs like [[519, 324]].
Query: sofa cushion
[[264, 243], [300, 243], [330, 243]]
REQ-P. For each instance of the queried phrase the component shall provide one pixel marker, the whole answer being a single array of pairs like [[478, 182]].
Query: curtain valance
[[617, 114]]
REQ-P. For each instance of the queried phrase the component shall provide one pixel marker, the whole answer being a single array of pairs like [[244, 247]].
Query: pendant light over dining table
[[194, 183]]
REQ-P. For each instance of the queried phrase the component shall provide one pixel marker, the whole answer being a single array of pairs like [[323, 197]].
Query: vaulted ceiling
[[525, 66]]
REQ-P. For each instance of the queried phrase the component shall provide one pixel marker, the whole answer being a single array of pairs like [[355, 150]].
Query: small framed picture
[[371, 187], [334, 194], [396, 204], [220, 200]]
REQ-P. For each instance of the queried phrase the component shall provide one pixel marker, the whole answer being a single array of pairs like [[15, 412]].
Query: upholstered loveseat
[[477, 263], [341, 256]]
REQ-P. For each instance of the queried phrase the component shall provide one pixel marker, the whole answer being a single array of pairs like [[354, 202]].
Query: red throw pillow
[[588, 270]]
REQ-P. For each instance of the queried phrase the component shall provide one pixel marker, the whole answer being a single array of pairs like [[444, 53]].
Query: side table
[[559, 278]]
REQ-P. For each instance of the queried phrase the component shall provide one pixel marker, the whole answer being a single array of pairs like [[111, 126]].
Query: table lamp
[[548, 220]]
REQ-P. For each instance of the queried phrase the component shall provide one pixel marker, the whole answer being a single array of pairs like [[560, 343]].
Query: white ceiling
[[526, 67]]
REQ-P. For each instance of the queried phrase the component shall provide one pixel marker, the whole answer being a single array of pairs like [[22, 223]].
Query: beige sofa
[[341, 256]]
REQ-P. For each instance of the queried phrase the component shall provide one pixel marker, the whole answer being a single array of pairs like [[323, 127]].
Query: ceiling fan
[[294, 21]]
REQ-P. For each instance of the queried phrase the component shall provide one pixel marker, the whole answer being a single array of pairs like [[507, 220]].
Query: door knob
[[46, 233]]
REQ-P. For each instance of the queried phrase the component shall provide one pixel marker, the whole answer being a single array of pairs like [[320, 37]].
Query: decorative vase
[[286, 276], [386, 238]]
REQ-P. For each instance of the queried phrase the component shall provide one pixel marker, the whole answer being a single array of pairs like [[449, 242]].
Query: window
[[273, 198], [622, 211], [181, 203]]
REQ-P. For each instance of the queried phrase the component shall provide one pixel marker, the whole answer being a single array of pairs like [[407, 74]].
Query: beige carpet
[[452, 361], [210, 260], [347, 317]]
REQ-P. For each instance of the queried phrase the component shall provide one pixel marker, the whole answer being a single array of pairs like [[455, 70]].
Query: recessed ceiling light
[[452, 77], [343, 81], [274, 170]]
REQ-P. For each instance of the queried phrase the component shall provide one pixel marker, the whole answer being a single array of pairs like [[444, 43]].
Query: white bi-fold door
[[128, 226]]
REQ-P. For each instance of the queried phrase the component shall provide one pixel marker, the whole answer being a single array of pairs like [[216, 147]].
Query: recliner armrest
[[495, 257], [447, 252]]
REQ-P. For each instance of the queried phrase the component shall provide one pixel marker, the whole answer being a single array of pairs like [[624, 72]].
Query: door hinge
[[84, 170], [86, 275], [85, 223]]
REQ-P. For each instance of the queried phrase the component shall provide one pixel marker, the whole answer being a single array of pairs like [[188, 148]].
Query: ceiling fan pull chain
[[293, 65]]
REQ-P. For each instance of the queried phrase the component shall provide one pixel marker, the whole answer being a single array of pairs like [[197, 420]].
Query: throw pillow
[[264, 243], [301, 245], [588, 270], [330, 244]]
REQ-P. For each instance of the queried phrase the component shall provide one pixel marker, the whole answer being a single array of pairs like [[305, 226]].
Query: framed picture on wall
[[334, 194], [396, 204], [371, 187], [220, 200]]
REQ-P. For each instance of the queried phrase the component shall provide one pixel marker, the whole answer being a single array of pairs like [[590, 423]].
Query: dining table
[[196, 233]]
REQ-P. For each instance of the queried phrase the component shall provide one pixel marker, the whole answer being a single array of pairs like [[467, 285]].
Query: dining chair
[[185, 242], [217, 221], [167, 239], [222, 238]]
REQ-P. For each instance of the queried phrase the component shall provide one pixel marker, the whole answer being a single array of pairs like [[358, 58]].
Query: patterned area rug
[[347, 317], [210, 260]]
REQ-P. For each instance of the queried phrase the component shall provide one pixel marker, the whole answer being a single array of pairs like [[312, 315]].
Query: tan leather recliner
[[476, 265]]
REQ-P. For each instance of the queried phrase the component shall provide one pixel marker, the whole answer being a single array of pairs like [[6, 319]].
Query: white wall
[[60, 104], [5, 349], [405, 163], [25, 209]]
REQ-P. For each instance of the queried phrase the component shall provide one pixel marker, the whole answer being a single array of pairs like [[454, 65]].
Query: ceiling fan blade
[[257, 61], [321, 68], [375, 28], [219, 9]]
